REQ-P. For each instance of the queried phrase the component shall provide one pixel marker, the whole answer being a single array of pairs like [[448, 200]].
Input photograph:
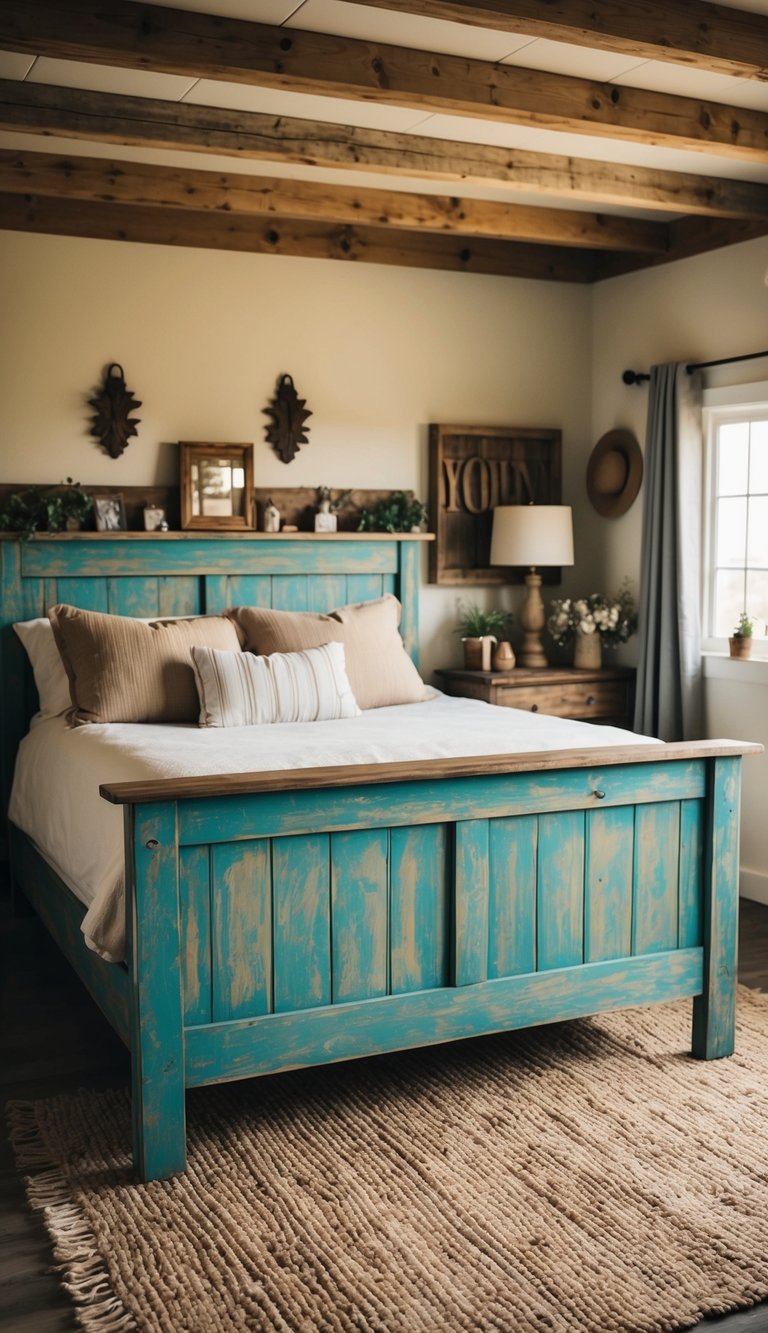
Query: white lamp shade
[[532, 535]]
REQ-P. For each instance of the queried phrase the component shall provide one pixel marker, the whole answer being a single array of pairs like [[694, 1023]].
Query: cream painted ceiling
[[29, 191]]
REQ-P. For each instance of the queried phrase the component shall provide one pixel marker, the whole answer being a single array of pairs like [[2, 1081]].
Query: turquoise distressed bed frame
[[293, 919]]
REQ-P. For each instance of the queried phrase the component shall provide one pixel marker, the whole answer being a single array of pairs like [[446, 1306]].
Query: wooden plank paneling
[[360, 915], [657, 856], [91, 594], [325, 592], [156, 1014], [714, 1011], [241, 911], [471, 901], [285, 805], [608, 884], [195, 910], [249, 590], [512, 899], [93, 557], [290, 594], [133, 596], [320, 1036], [560, 890], [302, 922], [419, 908], [179, 595], [690, 914], [364, 587]]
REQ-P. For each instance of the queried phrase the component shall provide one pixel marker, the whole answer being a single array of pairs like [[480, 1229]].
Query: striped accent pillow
[[242, 690]]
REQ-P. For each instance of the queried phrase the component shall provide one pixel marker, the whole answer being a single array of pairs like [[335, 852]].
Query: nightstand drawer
[[602, 695], [589, 700]]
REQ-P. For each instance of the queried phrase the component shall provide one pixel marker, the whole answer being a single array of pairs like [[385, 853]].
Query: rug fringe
[[86, 1275]]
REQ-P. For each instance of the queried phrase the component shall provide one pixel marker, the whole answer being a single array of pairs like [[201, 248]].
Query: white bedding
[[55, 797]]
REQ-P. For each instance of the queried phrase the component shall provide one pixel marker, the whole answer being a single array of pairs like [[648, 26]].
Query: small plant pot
[[477, 653], [740, 645]]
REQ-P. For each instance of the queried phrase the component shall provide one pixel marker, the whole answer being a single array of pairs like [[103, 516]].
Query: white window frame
[[743, 402]]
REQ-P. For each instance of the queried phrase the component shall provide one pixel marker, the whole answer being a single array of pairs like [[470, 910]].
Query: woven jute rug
[[585, 1176]]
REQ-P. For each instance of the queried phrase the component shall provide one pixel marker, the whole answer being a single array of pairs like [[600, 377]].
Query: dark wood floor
[[53, 1039]]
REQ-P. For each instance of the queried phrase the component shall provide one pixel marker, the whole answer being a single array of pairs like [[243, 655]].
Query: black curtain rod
[[638, 376]]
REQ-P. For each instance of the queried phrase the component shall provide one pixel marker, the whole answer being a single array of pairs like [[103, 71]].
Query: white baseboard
[[754, 884]]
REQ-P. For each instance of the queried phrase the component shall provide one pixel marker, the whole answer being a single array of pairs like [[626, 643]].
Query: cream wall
[[699, 309], [378, 352]]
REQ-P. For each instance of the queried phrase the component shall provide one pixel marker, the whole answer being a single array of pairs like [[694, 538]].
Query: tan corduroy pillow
[[125, 670], [379, 669]]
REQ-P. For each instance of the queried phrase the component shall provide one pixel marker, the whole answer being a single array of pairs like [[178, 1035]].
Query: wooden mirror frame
[[242, 456]]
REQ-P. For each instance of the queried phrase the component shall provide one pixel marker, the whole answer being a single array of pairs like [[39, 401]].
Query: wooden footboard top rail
[[354, 775]]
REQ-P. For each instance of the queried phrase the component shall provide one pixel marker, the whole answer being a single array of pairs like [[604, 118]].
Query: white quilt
[[55, 797]]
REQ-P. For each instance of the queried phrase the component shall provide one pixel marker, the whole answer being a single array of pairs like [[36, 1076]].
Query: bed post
[[409, 557], [714, 1011], [154, 968]]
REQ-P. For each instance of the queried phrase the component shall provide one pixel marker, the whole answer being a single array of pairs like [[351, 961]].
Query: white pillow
[[242, 690], [47, 667]]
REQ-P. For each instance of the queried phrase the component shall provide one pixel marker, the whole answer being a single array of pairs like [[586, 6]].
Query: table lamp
[[533, 536]]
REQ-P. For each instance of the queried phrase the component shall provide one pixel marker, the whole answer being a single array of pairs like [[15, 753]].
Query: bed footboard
[[299, 919]]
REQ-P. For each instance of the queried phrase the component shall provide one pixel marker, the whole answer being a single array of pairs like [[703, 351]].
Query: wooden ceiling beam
[[688, 32], [102, 180], [152, 123], [318, 240], [117, 32], [687, 237]]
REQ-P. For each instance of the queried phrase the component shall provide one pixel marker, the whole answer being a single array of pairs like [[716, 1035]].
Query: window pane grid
[[739, 524]]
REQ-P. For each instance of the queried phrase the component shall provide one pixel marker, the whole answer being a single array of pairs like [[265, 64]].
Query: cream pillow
[[379, 669], [126, 670], [47, 667], [242, 690]]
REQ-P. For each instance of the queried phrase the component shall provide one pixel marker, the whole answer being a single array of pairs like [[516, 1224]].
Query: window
[[736, 535]]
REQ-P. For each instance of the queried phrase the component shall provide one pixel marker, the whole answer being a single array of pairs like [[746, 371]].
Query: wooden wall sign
[[471, 470]]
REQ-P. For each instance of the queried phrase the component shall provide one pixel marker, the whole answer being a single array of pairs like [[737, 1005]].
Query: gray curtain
[[669, 694]]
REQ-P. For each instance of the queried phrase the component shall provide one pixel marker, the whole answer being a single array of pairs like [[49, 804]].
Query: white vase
[[587, 651]]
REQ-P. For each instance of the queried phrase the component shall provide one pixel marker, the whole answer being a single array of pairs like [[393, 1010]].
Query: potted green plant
[[54, 508], [479, 630], [401, 512], [740, 642]]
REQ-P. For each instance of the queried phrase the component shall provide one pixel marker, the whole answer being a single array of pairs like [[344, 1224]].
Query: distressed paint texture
[[360, 914], [714, 1011], [419, 908], [284, 928]]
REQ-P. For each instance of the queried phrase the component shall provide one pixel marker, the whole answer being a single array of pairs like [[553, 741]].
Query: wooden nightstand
[[606, 695]]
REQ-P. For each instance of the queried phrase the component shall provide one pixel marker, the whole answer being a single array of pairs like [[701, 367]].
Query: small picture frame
[[155, 519], [109, 513], [216, 486]]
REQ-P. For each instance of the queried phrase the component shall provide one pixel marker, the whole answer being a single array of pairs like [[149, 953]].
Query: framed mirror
[[216, 486]]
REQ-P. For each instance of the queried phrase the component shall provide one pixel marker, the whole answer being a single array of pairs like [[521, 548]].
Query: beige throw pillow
[[125, 670], [379, 669]]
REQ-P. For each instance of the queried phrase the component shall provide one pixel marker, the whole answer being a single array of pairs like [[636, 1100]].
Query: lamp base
[[533, 618]]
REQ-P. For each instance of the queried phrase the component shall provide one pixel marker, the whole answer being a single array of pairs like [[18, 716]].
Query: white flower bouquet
[[613, 618]]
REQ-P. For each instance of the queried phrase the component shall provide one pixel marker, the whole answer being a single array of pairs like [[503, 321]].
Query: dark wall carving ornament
[[287, 430], [471, 470], [113, 403]]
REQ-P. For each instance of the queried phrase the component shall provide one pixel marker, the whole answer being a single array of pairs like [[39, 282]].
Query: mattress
[[55, 796]]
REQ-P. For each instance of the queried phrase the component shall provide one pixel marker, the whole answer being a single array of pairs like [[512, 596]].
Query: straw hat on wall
[[614, 473]]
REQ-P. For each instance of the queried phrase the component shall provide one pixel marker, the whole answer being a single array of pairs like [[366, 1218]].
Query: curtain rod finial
[[634, 377]]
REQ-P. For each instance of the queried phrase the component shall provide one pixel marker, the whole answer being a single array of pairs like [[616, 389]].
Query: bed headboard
[[138, 574]]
